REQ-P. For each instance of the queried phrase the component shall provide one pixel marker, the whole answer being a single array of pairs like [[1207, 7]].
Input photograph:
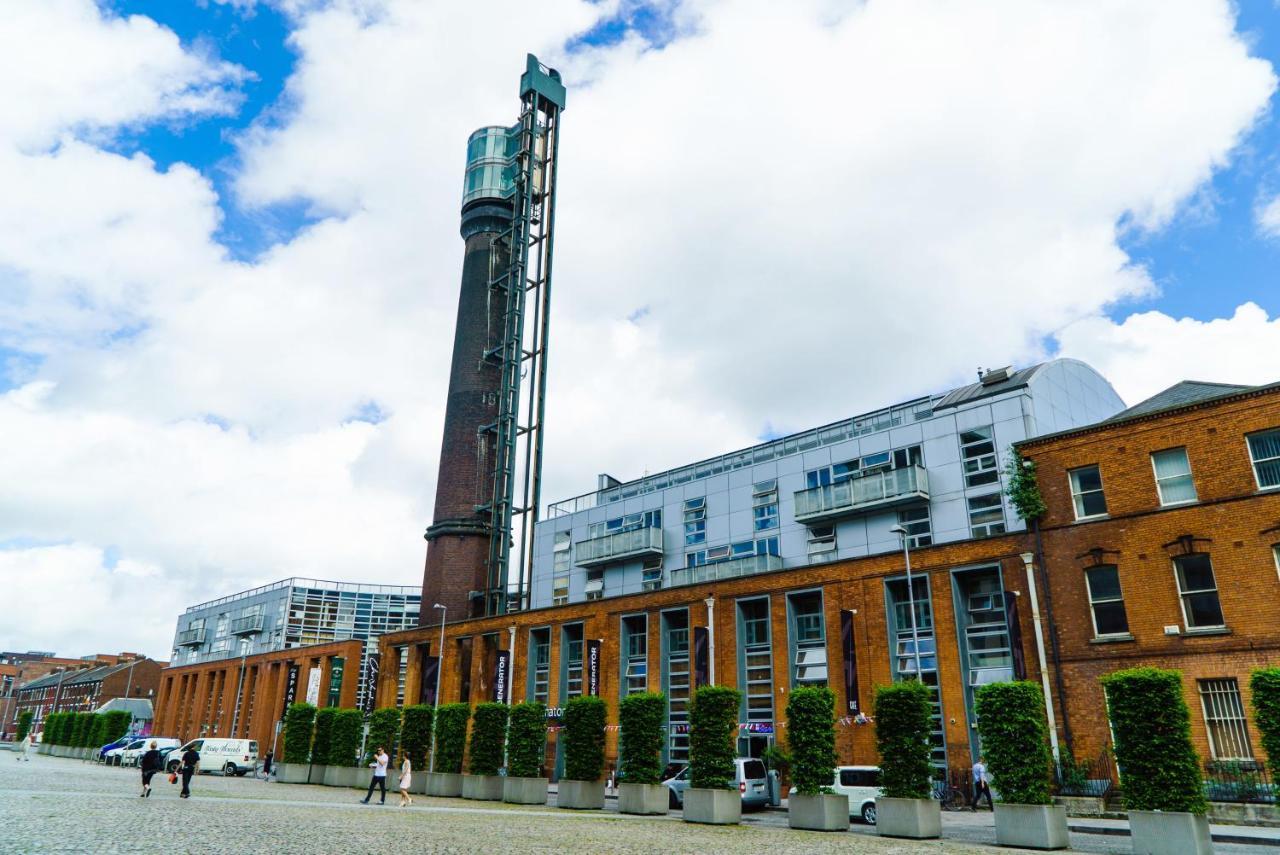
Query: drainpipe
[[1054, 650], [1027, 559], [711, 639]]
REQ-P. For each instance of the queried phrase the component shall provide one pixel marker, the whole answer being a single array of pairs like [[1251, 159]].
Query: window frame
[[1253, 461], [1102, 491], [980, 459], [999, 505], [1155, 473], [1182, 595], [1239, 723], [1093, 602]]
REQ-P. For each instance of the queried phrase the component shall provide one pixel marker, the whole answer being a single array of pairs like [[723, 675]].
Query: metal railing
[[248, 625], [730, 569], [617, 546], [864, 492], [191, 637], [1087, 777], [1244, 781]]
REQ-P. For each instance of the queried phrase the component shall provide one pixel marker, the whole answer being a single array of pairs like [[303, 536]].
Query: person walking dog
[[150, 763], [981, 786], [379, 779], [190, 765], [406, 778]]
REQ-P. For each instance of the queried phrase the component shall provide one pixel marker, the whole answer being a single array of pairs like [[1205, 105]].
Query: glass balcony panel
[[618, 546], [861, 494]]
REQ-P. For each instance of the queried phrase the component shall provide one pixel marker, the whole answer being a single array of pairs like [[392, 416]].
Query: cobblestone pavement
[[56, 805]]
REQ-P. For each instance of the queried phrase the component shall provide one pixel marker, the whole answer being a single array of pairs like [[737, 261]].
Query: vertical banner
[[850, 660], [290, 689], [701, 656], [313, 686], [502, 677], [372, 673], [1015, 636], [593, 667], [336, 666], [427, 682]]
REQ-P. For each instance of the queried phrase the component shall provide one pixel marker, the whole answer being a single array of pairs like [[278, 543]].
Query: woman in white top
[[406, 778]]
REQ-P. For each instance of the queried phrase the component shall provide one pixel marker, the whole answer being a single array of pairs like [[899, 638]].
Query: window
[[822, 539], [978, 453], [916, 522], [755, 659], [899, 458], [540, 664], [595, 583], [1106, 601], [1199, 592], [560, 567], [571, 650], [630, 522], [635, 651], [986, 515], [808, 636], [1173, 476], [1264, 451], [695, 521], [676, 678], [1224, 718], [651, 574], [764, 505], [1086, 492]]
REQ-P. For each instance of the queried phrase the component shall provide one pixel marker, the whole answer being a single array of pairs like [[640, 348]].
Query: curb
[[1218, 837]]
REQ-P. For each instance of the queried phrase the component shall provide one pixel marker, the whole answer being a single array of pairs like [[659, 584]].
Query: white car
[[115, 757], [228, 756], [859, 784], [132, 755]]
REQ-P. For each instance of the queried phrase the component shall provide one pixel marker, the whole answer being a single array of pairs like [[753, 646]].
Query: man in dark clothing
[[150, 764], [190, 763]]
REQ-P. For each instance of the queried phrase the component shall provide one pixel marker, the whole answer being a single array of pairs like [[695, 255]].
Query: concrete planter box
[[713, 807], [291, 773], [580, 795], [524, 791], [339, 776], [318, 771], [918, 819], [823, 812], [1082, 805], [643, 799], [1031, 826], [418, 786], [1169, 833], [483, 788], [444, 784]]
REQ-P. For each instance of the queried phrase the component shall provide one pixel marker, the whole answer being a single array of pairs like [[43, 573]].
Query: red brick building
[[84, 689], [17, 669]]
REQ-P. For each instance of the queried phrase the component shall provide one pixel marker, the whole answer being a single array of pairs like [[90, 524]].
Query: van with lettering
[[228, 756]]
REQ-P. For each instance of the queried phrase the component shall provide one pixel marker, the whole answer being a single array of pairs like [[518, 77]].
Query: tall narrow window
[[540, 664], [1264, 452], [562, 559], [755, 659], [764, 505], [808, 639], [1106, 601], [1173, 476], [1086, 492], [1224, 718], [978, 453], [571, 655], [986, 515], [635, 651], [695, 521], [1199, 591], [916, 522], [677, 679]]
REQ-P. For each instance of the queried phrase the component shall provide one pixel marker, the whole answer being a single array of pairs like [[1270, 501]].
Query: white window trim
[[1241, 723], [1156, 476], [1088, 588], [1182, 600], [1253, 462], [1071, 488]]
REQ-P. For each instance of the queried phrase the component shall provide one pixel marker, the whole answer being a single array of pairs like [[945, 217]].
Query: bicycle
[[950, 797]]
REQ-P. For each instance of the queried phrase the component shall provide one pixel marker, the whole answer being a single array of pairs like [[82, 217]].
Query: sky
[[229, 255]]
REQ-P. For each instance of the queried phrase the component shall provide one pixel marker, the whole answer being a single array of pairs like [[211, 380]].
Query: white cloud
[[1267, 216], [807, 209]]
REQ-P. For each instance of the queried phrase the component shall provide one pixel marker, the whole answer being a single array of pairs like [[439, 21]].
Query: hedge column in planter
[[1159, 770], [297, 744], [321, 743], [712, 796], [344, 749], [811, 731], [415, 742], [24, 725], [451, 741], [526, 747], [642, 719], [97, 727], [1265, 686], [1015, 747], [117, 726], [903, 725], [581, 787], [488, 738]]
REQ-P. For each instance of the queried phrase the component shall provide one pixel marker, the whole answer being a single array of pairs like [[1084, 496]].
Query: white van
[[228, 756], [860, 785]]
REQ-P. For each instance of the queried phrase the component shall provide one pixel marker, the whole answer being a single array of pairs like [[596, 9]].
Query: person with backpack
[[149, 763]]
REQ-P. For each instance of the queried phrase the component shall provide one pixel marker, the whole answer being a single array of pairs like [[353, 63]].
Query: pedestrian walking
[[24, 749], [190, 765], [981, 787], [149, 763], [406, 778], [379, 779]]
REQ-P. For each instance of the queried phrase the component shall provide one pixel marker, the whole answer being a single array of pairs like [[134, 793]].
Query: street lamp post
[[444, 610], [901, 531]]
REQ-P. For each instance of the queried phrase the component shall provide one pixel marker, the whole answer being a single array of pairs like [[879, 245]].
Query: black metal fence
[[1243, 781], [1093, 778]]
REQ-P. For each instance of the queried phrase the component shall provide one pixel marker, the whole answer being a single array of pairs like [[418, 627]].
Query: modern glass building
[[295, 613]]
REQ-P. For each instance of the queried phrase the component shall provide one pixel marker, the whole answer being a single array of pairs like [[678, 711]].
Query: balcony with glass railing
[[618, 546], [191, 638], [862, 494], [248, 625], [730, 569]]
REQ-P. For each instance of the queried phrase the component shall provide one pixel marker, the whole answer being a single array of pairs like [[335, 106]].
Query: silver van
[[749, 774]]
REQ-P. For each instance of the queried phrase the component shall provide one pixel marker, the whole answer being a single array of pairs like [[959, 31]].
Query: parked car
[[749, 774], [115, 756], [861, 785], [122, 742], [133, 756], [228, 756]]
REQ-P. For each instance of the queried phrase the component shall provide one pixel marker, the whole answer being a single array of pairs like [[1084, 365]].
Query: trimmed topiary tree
[[117, 726], [1159, 770], [384, 730], [97, 726], [713, 735], [526, 740], [297, 732], [49, 729], [903, 725], [57, 725], [1265, 687], [24, 724], [811, 733], [322, 735], [488, 738], [415, 735], [451, 737], [583, 735], [1015, 741], [344, 738], [80, 735], [642, 720]]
